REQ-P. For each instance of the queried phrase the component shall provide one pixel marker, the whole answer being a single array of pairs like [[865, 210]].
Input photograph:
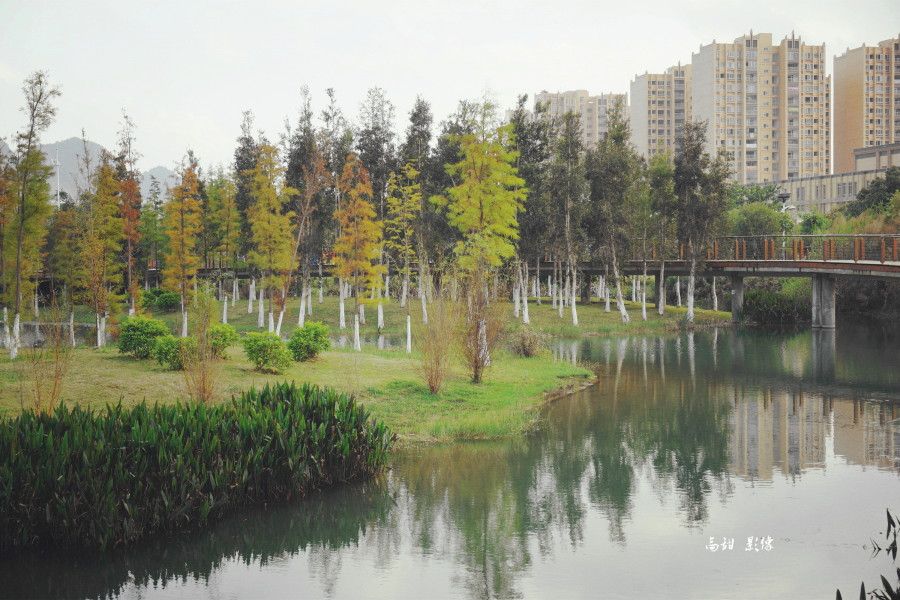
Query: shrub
[[168, 301], [76, 477], [267, 352], [221, 338], [153, 293], [309, 341], [528, 342], [137, 336], [764, 306], [171, 351]]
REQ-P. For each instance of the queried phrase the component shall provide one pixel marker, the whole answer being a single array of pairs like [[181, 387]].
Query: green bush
[[170, 351], [221, 338], [80, 478], [309, 341], [168, 301], [137, 336], [267, 352], [153, 293], [766, 306]]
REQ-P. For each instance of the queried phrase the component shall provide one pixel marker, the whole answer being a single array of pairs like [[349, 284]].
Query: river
[[718, 464]]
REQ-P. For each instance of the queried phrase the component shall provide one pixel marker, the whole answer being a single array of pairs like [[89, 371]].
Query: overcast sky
[[185, 70]]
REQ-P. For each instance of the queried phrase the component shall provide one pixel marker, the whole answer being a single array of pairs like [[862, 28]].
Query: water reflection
[[712, 433]]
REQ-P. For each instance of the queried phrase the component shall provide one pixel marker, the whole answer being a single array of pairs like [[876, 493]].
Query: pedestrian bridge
[[822, 257]]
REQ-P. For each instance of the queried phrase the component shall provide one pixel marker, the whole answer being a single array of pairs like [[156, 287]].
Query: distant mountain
[[4, 149], [72, 149]]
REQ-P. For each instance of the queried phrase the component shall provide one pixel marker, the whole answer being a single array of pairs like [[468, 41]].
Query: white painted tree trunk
[[16, 338], [356, 344], [424, 307], [184, 323], [552, 293], [408, 335], [516, 301], [559, 301], [403, 294], [225, 312], [342, 323], [302, 316], [309, 301], [234, 292], [620, 300], [525, 318], [644, 298], [715, 297], [380, 316], [261, 315], [661, 301], [278, 326], [690, 295], [72, 327], [362, 314], [678, 291], [271, 322], [574, 309], [37, 312], [321, 293], [251, 296]]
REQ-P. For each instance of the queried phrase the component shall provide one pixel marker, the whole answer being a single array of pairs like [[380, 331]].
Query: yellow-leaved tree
[[182, 223], [356, 248], [270, 226], [404, 200], [483, 206]]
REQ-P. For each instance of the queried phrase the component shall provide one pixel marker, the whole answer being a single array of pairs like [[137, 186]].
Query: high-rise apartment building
[[592, 109], [866, 100], [768, 106], [660, 104]]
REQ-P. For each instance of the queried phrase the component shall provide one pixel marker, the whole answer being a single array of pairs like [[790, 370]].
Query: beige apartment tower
[[866, 100], [660, 104], [768, 106], [593, 110]]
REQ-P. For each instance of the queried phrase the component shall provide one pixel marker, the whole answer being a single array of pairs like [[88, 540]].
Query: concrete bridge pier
[[822, 302], [737, 298], [823, 354]]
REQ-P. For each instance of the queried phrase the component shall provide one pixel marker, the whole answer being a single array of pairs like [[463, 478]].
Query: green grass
[[386, 381]]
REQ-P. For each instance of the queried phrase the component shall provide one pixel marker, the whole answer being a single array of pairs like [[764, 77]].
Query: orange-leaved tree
[[356, 249], [182, 223]]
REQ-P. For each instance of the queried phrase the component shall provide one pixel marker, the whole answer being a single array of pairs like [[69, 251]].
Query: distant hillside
[[4, 149], [72, 149]]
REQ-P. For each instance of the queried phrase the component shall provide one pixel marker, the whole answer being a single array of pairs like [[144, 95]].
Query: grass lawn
[[592, 318], [385, 381]]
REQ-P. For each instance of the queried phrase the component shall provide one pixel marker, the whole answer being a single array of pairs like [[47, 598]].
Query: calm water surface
[[788, 435]]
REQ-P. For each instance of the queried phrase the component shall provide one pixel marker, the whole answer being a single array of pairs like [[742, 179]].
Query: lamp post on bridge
[[784, 197]]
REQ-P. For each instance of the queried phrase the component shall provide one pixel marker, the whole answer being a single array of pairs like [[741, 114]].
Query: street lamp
[[784, 197]]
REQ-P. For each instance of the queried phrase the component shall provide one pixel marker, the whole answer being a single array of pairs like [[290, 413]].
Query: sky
[[184, 71]]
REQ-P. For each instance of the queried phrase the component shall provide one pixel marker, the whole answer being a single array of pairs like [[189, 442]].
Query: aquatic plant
[[80, 478]]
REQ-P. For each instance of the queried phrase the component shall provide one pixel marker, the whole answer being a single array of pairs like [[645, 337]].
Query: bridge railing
[[841, 247]]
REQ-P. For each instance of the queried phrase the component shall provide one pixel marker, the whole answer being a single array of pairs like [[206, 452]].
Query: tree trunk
[[260, 317], [619, 299], [424, 307], [644, 295], [71, 327], [271, 322], [715, 297], [251, 296], [278, 326], [362, 314], [321, 293], [225, 312], [661, 300], [234, 292], [342, 323], [690, 293], [516, 300], [184, 322], [380, 316], [408, 335], [678, 291], [302, 316], [572, 300], [356, 345]]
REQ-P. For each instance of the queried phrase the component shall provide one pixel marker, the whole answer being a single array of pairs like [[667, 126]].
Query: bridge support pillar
[[737, 298], [823, 301]]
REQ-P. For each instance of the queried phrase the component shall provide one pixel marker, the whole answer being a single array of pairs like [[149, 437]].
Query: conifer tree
[[270, 224], [31, 190], [404, 201], [182, 225], [150, 226], [130, 207], [357, 247]]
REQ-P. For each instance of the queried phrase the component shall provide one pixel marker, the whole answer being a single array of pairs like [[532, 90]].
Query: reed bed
[[80, 478]]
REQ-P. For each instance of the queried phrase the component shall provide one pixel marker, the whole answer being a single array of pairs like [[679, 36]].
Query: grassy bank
[[592, 318], [384, 380]]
